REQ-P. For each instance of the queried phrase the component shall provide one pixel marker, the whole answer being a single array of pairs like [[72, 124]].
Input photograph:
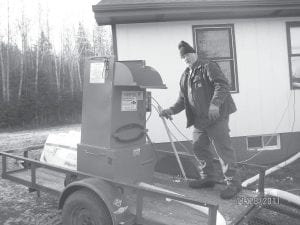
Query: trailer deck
[[155, 208], [165, 201]]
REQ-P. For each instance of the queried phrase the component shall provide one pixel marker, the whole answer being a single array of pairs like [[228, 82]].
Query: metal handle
[[95, 154], [173, 145], [126, 127]]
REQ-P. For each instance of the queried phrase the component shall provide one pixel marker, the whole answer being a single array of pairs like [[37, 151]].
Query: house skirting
[[290, 145]]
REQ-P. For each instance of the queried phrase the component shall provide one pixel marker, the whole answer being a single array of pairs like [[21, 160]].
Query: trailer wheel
[[83, 207]]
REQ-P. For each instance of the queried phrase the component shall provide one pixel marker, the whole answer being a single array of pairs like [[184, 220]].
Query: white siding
[[263, 72]]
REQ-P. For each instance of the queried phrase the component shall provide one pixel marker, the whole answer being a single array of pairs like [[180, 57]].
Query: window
[[293, 38], [263, 142], [216, 43]]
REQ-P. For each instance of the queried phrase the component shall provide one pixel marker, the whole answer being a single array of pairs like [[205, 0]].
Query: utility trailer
[[162, 201]]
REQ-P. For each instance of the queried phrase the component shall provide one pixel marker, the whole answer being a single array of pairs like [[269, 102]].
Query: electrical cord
[[191, 141], [173, 145], [179, 131], [155, 102], [150, 113], [219, 157], [185, 137], [182, 145], [292, 128], [258, 153], [170, 120]]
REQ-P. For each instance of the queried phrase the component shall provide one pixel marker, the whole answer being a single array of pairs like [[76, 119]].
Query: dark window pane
[[254, 142], [295, 40], [213, 43], [227, 69], [270, 140], [295, 71]]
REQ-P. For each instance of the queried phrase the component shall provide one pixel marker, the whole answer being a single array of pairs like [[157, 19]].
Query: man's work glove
[[167, 113], [213, 112]]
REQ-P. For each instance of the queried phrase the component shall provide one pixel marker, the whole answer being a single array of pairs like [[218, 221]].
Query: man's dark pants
[[219, 134]]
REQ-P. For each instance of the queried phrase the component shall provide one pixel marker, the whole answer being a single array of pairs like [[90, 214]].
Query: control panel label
[[129, 101]]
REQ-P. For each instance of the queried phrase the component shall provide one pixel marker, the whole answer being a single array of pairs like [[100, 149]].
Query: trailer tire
[[85, 207]]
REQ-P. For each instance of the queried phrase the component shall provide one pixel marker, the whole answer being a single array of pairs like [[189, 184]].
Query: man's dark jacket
[[209, 86]]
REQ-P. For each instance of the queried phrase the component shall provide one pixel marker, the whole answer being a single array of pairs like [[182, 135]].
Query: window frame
[[265, 147], [289, 25], [232, 48]]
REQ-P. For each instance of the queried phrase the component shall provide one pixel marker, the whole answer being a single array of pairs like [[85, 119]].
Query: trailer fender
[[110, 194]]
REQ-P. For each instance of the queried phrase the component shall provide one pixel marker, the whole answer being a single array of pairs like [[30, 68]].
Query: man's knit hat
[[185, 48]]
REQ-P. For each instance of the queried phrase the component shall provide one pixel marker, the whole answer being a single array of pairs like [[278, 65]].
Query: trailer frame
[[32, 165], [33, 186]]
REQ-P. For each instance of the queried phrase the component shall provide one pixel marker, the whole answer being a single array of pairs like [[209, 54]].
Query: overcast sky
[[61, 13]]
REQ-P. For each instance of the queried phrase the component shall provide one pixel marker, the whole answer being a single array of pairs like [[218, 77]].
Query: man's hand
[[213, 112], [167, 113]]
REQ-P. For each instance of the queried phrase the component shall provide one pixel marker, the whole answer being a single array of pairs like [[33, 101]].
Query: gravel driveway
[[17, 205]]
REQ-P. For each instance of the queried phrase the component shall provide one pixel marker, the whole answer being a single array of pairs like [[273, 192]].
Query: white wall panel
[[262, 63]]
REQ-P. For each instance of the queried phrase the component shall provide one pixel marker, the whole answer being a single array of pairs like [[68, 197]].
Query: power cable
[[150, 113], [179, 131], [184, 147], [293, 125], [258, 153], [253, 156]]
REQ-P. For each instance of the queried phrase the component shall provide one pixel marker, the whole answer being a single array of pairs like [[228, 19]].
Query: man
[[205, 96]]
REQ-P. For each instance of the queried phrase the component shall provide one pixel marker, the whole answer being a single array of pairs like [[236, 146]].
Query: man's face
[[190, 58]]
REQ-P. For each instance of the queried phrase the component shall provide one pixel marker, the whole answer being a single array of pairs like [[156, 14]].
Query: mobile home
[[256, 44]]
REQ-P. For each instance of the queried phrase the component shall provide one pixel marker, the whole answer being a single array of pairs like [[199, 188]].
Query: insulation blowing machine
[[113, 146], [113, 133], [114, 152]]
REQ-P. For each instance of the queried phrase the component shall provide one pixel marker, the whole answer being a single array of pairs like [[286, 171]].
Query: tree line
[[43, 86]]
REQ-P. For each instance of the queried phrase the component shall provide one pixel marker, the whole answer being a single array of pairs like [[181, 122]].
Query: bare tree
[[23, 27], [7, 56], [37, 60], [57, 69], [38, 72], [102, 41], [83, 49], [3, 73], [36, 69]]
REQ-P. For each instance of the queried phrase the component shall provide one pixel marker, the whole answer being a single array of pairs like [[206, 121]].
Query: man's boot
[[232, 179], [232, 189], [206, 176]]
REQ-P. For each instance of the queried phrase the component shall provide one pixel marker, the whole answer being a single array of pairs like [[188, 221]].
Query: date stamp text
[[266, 200]]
